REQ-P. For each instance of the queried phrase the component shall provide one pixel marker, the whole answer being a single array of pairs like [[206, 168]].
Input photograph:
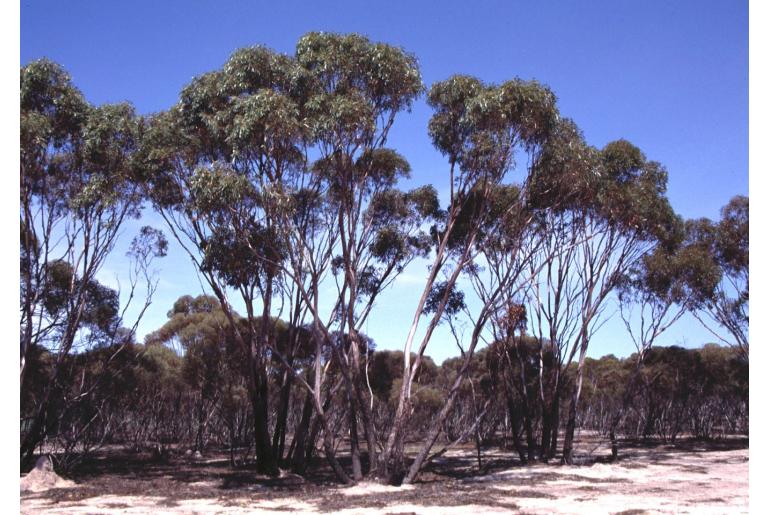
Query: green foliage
[[74, 156], [386, 370], [723, 248], [631, 194], [52, 109], [732, 243], [150, 242], [454, 303], [703, 392], [218, 188], [101, 304], [476, 125], [385, 77], [448, 127], [685, 276], [564, 175]]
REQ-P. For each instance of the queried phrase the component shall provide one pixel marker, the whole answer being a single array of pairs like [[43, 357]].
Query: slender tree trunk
[[355, 451], [323, 424], [315, 429], [298, 462], [549, 438], [433, 433], [38, 429], [330, 455], [530, 436], [266, 462], [555, 424], [545, 437], [526, 410], [199, 432], [279, 433], [231, 430], [369, 431], [569, 434], [391, 465], [477, 436], [515, 425], [367, 419]]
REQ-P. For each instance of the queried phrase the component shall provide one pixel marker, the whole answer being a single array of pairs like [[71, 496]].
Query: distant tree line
[[161, 401], [274, 175]]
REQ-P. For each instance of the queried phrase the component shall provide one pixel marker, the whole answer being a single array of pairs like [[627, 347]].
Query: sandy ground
[[688, 478]]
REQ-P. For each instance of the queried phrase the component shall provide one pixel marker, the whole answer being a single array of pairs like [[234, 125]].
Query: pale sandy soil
[[691, 478]]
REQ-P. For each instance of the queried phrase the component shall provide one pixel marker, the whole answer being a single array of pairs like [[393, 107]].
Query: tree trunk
[[569, 434], [391, 467], [548, 439], [614, 445], [625, 403], [199, 432], [279, 434], [478, 447], [530, 436], [330, 457], [369, 431], [38, 429], [555, 424], [414, 469], [297, 457], [515, 425], [355, 451], [545, 437], [266, 462]]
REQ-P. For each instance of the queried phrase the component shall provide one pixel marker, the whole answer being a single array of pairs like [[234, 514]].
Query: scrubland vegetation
[[274, 175]]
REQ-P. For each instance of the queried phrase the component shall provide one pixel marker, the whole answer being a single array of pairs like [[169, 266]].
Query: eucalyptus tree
[[496, 274], [653, 294], [479, 128], [702, 391], [515, 365], [358, 89], [727, 243], [537, 247], [370, 230], [78, 185], [540, 246], [623, 222], [601, 211], [272, 172], [212, 161]]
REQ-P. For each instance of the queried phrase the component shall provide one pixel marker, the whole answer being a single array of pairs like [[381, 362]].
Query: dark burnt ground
[[126, 474], [451, 480]]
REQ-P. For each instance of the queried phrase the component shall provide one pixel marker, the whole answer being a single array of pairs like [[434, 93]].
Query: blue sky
[[671, 77]]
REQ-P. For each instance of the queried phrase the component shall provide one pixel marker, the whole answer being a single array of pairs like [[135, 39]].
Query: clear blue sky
[[672, 77]]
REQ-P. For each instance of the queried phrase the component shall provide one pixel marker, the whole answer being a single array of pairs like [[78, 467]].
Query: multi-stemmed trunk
[[38, 428], [438, 422], [279, 433], [298, 445], [391, 465], [513, 414]]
